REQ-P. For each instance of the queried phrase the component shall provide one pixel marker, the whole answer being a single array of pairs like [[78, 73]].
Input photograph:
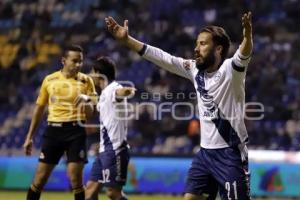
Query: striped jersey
[[220, 95], [113, 122]]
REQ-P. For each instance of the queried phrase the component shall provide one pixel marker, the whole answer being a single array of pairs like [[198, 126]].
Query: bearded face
[[204, 62], [204, 51]]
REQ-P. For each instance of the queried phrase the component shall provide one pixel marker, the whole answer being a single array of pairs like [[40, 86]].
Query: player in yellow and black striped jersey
[[68, 95]]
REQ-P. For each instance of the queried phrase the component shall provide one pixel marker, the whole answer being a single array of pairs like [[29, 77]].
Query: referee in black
[[68, 94]]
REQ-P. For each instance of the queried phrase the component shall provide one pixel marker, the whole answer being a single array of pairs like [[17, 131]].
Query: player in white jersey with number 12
[[110, 167], [221, 164]]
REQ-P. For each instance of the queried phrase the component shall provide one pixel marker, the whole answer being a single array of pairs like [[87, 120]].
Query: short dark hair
[[219, 37], [105, 66], [72, 47]]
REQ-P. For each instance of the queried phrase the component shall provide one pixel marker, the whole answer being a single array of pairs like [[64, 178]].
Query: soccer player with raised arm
[[222, 162], [110, 167]]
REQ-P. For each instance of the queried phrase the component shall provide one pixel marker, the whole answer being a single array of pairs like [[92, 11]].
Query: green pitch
[[21, 195]]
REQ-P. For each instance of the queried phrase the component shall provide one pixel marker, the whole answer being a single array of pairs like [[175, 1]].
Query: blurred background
[[34, 32]]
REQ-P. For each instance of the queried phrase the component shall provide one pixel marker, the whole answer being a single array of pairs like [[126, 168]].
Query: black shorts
[[60, 138]]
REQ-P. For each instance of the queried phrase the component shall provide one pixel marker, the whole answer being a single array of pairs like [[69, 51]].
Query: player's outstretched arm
[[86, 103], [121, 33], [155, 55], [247, 43], [36, 119], [125, 92]]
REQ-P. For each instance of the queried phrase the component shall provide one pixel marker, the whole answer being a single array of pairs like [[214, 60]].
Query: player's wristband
[[143, 50]]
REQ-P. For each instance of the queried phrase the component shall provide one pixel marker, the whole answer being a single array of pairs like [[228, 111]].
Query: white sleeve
[[240, 62], [239, 65], [176, 65]]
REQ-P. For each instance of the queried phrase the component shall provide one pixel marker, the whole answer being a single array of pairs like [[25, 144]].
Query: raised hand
[[247, 24], [247, 43], [119, 32]]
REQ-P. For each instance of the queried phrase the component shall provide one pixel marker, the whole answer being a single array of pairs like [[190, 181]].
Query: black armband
[[143, 50]]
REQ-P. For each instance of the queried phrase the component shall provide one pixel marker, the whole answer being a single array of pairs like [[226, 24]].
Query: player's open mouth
[[199, 59]]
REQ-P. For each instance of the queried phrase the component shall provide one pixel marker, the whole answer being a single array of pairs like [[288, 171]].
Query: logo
[[65, 85], [42, 156], [53, 99], [271, 180], [187, 65], [217, 77]]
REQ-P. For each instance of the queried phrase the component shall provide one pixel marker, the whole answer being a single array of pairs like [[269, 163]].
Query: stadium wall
[[273, 173]]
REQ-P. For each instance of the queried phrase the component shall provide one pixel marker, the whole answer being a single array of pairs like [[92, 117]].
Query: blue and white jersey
[[113, 122], [220, 95]]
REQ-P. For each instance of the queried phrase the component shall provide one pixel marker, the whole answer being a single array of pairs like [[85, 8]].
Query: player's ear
[[63, 60], [219, 49]]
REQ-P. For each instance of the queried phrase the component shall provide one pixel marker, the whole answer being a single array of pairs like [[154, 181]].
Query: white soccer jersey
[[220, 94], [113, 123]]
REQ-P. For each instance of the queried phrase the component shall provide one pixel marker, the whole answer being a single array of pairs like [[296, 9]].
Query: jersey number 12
[[105, 175]]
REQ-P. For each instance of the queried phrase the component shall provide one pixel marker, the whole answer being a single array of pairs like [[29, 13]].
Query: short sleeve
[[91, 91], [43, 94]]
